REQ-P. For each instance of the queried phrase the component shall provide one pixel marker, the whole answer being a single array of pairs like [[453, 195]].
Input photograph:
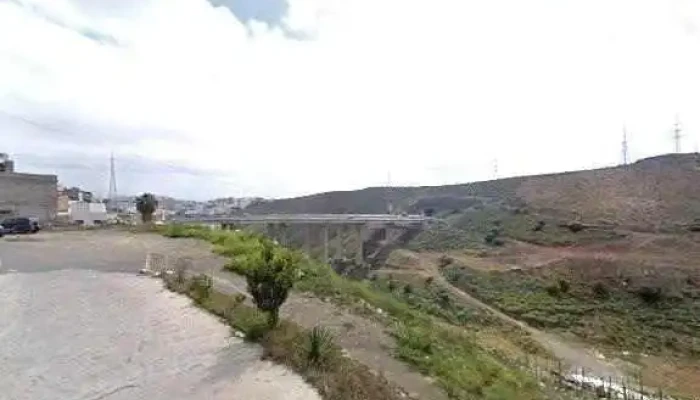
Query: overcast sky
[[277, 98]]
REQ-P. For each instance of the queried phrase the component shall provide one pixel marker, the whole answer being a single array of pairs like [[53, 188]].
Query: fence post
[[624, 388], [559, 372], [610, 387], [641, 386]]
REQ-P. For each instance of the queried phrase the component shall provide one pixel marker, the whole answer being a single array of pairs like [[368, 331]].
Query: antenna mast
[[677, 134], [625, 148], [112, 196]]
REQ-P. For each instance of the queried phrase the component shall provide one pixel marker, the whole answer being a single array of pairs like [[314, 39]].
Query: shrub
[[408, 289], [539, 226], [553, 290], [564, 286], [270, 273], [600, 290], [239, 298], [429, 281], [650, 294], [443, 298], [576, 227], [391, 285], [444, 261]]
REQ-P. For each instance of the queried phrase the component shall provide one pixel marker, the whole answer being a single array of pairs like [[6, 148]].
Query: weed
[[201, 287]]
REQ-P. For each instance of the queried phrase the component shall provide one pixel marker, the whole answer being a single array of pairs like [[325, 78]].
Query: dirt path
[[569, 353]]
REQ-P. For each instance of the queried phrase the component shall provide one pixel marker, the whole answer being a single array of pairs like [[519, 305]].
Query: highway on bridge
[[358, 219]]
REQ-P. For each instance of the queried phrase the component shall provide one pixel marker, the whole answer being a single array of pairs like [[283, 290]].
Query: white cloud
[[433, 91]]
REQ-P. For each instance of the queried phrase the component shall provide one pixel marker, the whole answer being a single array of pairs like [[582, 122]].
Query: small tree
[[146, 205], [270, 272]]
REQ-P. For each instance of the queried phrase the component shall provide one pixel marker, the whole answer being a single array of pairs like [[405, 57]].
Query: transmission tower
[[495, 168], [625, 148], [389, 205], [112, 196], [677, 135]]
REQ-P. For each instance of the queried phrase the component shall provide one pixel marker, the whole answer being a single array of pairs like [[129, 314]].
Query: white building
[[87, 214]]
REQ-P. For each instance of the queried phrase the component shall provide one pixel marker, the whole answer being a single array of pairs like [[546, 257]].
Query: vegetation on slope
[[448, 354], [311, 353], [491, 225], [635, 313]]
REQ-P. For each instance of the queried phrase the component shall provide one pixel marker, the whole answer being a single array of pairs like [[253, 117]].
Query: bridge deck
[[309, 219]]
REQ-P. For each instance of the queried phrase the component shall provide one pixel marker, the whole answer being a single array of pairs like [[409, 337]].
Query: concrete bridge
[[366, 227]]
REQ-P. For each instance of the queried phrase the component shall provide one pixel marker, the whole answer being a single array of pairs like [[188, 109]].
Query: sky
[[199, 99]]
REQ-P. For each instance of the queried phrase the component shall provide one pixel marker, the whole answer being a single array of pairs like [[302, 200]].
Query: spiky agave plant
[[319, 345]]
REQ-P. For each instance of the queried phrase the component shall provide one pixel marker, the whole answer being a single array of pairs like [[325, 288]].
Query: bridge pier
[[325, 230], [360, 255], [338, 254]]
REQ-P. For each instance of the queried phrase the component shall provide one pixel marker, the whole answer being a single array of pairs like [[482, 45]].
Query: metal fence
[[578, 383]]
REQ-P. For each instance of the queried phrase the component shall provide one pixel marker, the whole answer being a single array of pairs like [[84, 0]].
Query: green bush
[[651, 295], [407, 289], [564, 286], [600, 290], [553, 290]]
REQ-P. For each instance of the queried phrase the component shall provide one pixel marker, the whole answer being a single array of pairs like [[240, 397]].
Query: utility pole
[[625, 148], [112, 196], [677, 134]]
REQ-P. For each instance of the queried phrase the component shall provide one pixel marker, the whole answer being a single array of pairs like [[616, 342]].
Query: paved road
[[77, 323]]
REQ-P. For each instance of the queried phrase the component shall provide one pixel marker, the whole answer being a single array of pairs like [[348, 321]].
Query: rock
[[239, 334]]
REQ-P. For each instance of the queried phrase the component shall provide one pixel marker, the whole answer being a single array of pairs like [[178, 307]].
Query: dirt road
[[569, 353]]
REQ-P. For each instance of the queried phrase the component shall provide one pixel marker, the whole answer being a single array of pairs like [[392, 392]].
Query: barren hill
[[652, 193]]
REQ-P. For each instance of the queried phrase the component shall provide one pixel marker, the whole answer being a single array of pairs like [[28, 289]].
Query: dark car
[[20, 225]]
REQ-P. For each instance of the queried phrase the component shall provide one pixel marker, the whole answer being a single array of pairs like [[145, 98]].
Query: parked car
[[2, 231], [20, 225]]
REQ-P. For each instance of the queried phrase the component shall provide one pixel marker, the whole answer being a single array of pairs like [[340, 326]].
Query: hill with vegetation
[[650, 194]]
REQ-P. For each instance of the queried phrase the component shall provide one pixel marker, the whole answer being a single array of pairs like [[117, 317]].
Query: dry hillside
[[652, 193]]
